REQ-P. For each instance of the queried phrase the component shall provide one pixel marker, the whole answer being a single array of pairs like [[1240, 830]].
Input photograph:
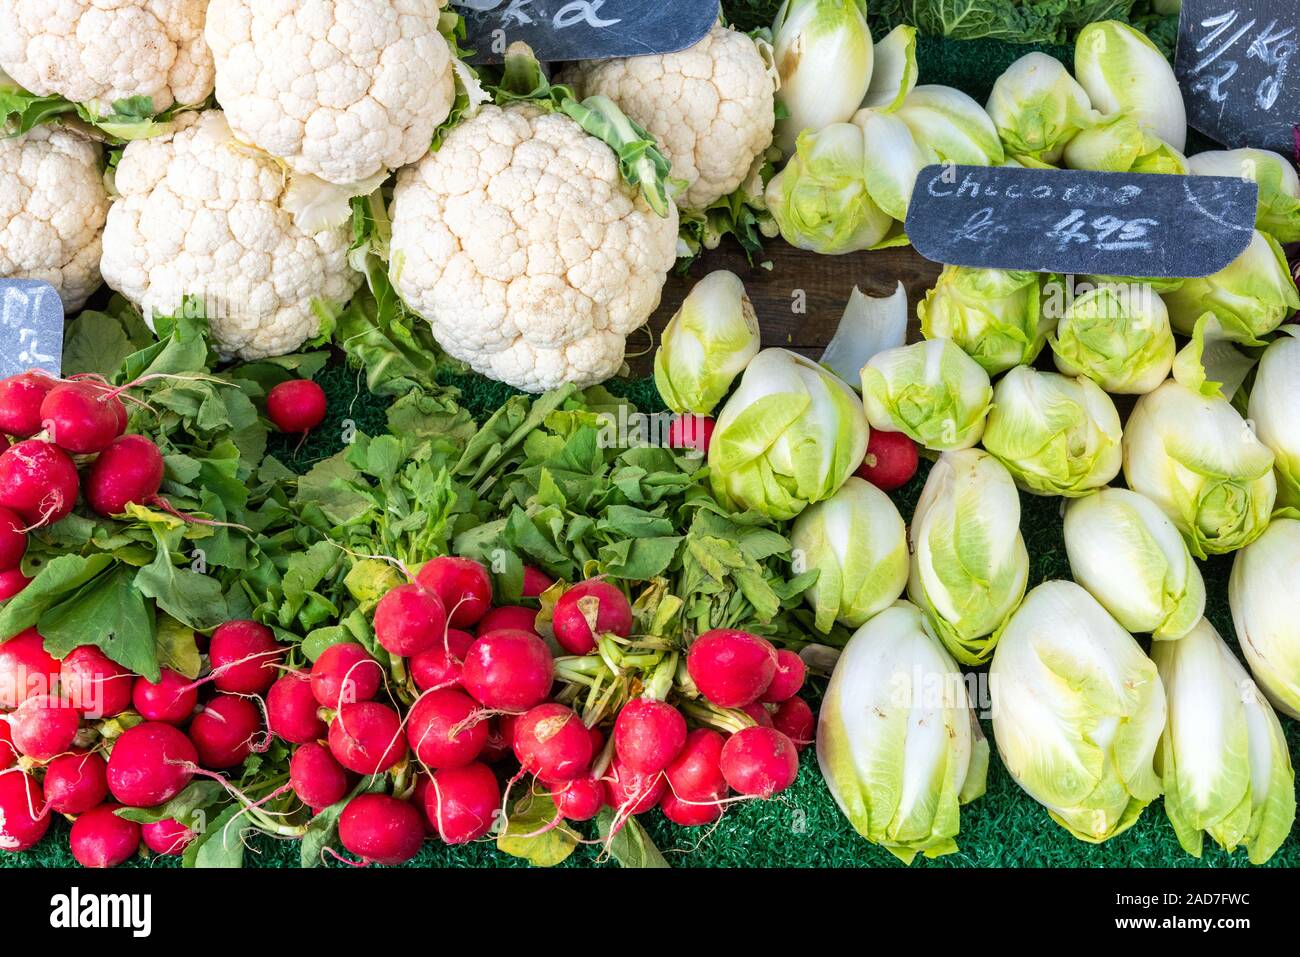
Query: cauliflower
[[52, 210], [338, 89], [711, 108], [99, 51], [200, 215], [528, 254]]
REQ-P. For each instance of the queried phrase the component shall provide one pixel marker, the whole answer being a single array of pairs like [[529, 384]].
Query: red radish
[[759, 762], [82, 417], [788, 679], [445, 729], [508, 618], [95, 684], [38, 481], [168, 837], [296, 406], [44, 726], [244, 656], [552, 742], [628, 792], [26, 669], [150, 764], [74, 783], [13, 540], [344, 674], [891, 460], [12, 582], [381, 829], [171, 700], [795, 720], [496, 747], [580, 799], [21, 801], [128, 472], [461, 803], [762, 717], [8, 753], [100, 838], [508, 671], [536, 581], [316, 777], [366, 737], [690, 813], [440, 667], [20, 403], [696, 772], [463, 585], [731, 668], [291, 710], [223, 731], [605, 602], [597, 739], [508, 723], [410, 619], [648, 734], [691, 432]]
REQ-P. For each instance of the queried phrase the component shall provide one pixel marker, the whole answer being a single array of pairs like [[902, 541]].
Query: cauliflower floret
[[201, 215], [528, 254], [710, 107], [99, 51], [52, 209], [339, 89]]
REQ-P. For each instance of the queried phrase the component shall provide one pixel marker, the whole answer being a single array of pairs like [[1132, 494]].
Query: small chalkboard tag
[[1239, 71], [31, 327], [1070, 221], [584, 29]]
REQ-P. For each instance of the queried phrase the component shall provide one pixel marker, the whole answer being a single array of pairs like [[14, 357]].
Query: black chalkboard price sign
[[1069, 221], [1239, 68], [31, 327], [584, 29]]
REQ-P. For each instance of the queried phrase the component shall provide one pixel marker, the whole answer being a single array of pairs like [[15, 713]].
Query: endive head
[[1223, 757], [706, 344], [1077, 711], [931, 390], [1266, 611], [856, 540], [1279, 186], [1124, 72], [1131, 558], [897, 742], [1274, 409], [790, 435], [1123, 144], [1038, 107], [951, 127], [1056, 435], [969, 562], [1202, 464], [1118, 336], [996, 316]]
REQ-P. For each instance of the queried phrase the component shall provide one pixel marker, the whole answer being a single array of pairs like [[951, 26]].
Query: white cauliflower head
[[528, 254], [710, 107], [201, 215], [339, 89], [52, 209], [99, 51]]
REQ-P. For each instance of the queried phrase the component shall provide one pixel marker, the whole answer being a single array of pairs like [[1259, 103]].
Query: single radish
[[497, 746], [628, 792], [508, 671], [244, 655], [756, 710], [13, 540], [461, 804], [690, 813], [446, 730], [75, 783], [440, 667], [696, 773], [787, 681], [150, 764], [691, 432], [8, 753], [297, 406], [463, 585], [731, 668], [381, 829], [603, 602], [597, 739], [536, 581], [759, 762], [100, 838], [508, 618], [128, 472], [168, 837], [366, 737], [410, 619], [171, 700], [316, 777], [20, 403], [95, 684], [648, 735], [580, 799], [795, 720], [891, 460], [26, 669], [291, 710], [12, 582], [82, 417], [44, 726], [38, 481], [345, 674], [224, 731], [551, 742], [24, 818]]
